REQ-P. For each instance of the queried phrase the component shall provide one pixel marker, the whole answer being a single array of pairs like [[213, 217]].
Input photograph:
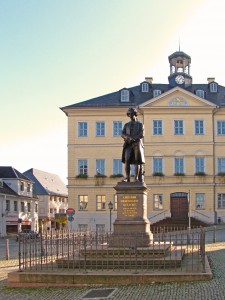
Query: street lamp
[[110, 205]]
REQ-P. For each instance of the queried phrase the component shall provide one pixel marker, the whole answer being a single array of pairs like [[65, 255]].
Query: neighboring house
[[18, 204], [52, 196], [184, 148]]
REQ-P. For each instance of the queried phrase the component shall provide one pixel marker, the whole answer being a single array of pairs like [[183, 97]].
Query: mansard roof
[[137, 97]]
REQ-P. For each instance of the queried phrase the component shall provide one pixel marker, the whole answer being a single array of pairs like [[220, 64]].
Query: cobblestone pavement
[[201, 290]]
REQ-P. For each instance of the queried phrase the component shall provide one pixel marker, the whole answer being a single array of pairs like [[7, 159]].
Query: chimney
[[210, 79], [149, 79]]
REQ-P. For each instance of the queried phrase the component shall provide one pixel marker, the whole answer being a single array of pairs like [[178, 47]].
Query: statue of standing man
[[133, 148]]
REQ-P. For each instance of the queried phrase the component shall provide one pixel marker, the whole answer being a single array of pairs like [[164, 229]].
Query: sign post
[[70, 212]]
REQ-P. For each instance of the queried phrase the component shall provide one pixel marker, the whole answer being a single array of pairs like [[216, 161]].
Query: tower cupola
[[180, 64]]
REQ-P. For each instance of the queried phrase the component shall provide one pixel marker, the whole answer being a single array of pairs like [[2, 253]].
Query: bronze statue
[[133, 148]]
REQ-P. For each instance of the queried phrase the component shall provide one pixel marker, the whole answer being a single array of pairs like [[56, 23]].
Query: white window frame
[[199, 168], [179, 171], [200, 93], [116, 128], [156, 93], [84, 170], [157, 127], [145, 87], [159, 169], [219, 127], [198, 127], [100, 202], [100, 132], [158, 199], [125, 96], [213, 87], [119, 166], [174, 121], [100, 166], [83, 202], [82, 129], [201, 198]]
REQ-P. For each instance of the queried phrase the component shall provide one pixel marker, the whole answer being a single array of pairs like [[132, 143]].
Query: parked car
[[27, 233]]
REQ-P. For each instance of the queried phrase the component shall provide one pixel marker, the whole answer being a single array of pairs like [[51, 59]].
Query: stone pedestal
[[132, 227]]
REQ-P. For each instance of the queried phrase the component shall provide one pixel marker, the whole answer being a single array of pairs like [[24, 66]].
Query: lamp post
[[110, 205]]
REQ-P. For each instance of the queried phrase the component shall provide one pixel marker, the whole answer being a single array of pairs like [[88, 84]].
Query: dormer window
[[156, 93], [213, 87], [124, 96], [200, 93], [145, 87]]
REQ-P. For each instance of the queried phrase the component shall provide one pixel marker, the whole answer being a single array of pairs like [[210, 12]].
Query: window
[[221, 200], [157, 202], [100, 202], [115, 202], [82, 167], [178, 127], [213, 87], [15, 206], [100, 128], [200, 93], [82, 129], [200, 201], [83, 202], [100, 228], [7, 204], [221, 164], [28, 187], [221, 127], [117, 167], [157, 165], [199, 165], [22, 186], [28, 207], [156, 93], [117, 128], [157, 127], [124, 96], [199, 127], [22, 206], [83, 227], [179, 165], [51, 210], [100, 166], [36, 207], [145, 87]]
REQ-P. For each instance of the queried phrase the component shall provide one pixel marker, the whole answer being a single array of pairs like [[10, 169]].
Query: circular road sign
[[70, 211]]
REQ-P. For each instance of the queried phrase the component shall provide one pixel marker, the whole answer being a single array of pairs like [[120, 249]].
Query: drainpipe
[[214, 165]]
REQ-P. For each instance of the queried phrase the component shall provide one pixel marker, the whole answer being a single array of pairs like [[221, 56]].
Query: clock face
[[179, 79]]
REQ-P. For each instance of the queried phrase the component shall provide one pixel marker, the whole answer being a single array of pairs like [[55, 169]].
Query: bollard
[[7, 248], [214, 234]]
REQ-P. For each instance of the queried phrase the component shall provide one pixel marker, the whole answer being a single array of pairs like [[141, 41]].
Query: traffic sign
[[70, 211], [70, 218]]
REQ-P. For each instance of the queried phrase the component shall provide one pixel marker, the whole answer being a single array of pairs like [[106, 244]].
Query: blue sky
[[55, 53]]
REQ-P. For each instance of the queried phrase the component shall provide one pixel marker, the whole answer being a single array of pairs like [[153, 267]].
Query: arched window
[[213, 87], [124, 96], [145, 87]]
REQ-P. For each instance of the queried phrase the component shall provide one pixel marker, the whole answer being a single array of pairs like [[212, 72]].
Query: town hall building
[[184, 149]]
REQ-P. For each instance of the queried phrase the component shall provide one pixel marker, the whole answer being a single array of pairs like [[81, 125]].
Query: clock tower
[[180, 69]]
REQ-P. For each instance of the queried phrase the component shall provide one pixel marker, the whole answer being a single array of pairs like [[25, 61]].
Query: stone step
[[156, 250], [174, 259]]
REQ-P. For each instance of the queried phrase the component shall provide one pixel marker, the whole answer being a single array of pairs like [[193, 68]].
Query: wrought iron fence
[[77, 251]]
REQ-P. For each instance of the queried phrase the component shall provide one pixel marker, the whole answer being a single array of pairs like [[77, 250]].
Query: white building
[[18, 205], [52, 197]]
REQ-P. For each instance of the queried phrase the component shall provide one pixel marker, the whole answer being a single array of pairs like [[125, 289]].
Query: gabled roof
[[46, 183], [11, 173]]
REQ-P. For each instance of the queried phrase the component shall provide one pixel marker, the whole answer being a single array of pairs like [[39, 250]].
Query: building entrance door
[[179, 205]]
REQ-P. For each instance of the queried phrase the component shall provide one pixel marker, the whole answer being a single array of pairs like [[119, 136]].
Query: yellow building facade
[[184, 149]]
